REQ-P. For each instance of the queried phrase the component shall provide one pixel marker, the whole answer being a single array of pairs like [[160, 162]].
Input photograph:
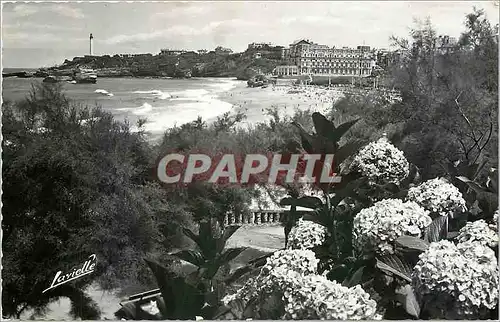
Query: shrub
[[457, 281]]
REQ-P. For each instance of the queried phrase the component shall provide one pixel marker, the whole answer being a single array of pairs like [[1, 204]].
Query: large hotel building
[[304, 57]]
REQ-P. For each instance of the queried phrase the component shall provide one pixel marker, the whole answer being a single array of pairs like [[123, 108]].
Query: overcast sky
[[44, 34]]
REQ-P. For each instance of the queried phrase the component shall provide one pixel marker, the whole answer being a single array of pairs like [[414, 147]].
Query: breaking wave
[[103, 92], [156, 93]]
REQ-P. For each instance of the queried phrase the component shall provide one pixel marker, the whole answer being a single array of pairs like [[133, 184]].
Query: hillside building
[[223, 51], [286, 70], [260, 45], [315, 59], [172, 52]]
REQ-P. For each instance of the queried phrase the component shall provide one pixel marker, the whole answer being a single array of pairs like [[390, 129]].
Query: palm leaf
[[346, 151], [191, 256], [322, 125], [231, 254], [342, 129]]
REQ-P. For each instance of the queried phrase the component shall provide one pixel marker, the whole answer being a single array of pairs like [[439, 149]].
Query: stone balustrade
[[260, 217]]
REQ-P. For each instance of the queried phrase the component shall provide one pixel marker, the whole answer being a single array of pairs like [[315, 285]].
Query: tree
[[450, 98], [73, 186]]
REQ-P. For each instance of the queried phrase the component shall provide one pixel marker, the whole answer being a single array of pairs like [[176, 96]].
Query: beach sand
[[254, 101]]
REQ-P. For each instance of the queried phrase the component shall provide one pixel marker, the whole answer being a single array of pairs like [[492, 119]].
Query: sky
[[44, 34]]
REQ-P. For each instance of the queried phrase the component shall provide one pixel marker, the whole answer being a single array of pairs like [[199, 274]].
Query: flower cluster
[[375, 228], [438, 196], [277, 271], [381, 162], [306, 235], [305, 295], [315, 297], [479, 231], [495, 219], [299, 260], [457, 281]]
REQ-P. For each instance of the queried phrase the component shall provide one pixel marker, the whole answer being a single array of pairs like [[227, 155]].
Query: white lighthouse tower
[[91, 40]]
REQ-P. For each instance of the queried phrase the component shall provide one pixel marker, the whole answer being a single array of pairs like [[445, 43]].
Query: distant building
[[133, 55], [286, 70], [260, 45], [383, 58], [171, 52], [314, 59], [285, 53], [446, 43], [202, 51], [223, 51]]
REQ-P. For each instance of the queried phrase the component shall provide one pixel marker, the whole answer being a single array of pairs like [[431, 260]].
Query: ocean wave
[[156, 92], [144, 109], [187, 112], [224, 85], [191, 93], [104, 92]]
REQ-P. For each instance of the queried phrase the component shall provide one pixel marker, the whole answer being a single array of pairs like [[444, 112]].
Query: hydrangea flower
[[495, 219], [278, 266], [302, 261], [306, 235], [457, 281], [315, 297], [377, 227], [479, 231], [382, 162], [438, 196], [305, 294]]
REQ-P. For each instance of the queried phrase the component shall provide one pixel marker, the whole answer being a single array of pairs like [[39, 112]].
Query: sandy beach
[[254, 101]]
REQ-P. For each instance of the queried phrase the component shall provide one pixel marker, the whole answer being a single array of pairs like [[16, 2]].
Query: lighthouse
[[90, 41]]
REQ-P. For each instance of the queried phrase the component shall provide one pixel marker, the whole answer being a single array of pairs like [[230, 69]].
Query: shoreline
[[253, 101]]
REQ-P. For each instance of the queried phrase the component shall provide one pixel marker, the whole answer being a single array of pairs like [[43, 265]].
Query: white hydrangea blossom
[[382, 162], [479, 231], [302, 261], [305, 294], [377, 227], [457, 281], [495, 219], [314, 296], [306, 235], [276, 271], [438, 196]]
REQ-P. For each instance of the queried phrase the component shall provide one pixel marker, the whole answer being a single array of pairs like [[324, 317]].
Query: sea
[[164, 103]]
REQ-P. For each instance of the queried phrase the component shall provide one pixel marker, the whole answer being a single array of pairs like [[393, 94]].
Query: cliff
[[241, 65]]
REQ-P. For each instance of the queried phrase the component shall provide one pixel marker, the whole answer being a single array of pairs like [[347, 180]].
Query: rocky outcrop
[[244, 65]]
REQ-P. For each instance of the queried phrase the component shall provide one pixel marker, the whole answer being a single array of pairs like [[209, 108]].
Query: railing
[[260, 217]]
